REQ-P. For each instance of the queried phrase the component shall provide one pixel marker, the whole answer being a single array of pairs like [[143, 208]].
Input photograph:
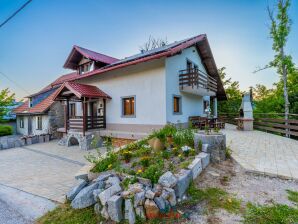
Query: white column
[[215, 107]]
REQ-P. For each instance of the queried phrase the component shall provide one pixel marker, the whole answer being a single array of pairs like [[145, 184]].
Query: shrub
[[126, 155], [5, 130], [109, 162], [154, 171], [166, 154], [145, 161], [184, 137], [143, 150], [167, 130]]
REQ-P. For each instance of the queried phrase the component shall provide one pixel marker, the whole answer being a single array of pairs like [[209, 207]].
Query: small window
[[177, 104], [39, 122], [21, 122], [72, 112], [128, 106], [85, 67]]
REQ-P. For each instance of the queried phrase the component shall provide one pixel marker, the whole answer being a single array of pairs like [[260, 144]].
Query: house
[[126, 98]]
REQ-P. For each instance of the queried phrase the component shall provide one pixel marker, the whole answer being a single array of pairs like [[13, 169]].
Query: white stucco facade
[[33, 120], [192, 105]]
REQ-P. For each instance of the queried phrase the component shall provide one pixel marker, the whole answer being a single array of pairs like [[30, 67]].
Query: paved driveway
[[46, 170], [264, 153]]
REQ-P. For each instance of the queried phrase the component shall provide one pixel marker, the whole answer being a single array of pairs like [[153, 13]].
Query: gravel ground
[[10, 216], [247, 187]]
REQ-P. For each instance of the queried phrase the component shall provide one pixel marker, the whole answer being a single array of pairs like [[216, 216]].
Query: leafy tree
[[153, 43], [233, 92], [6, 99], [279, 32]]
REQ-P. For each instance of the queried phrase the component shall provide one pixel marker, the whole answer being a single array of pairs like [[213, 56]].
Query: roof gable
[[77, 53]]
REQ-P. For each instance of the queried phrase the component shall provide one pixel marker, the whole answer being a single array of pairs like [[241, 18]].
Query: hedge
[[5, 130]]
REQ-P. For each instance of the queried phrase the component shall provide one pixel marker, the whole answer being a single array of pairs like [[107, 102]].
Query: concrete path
[[46, 170], [264, 153]]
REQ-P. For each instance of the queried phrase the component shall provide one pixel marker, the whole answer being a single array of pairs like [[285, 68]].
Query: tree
[[6, 99], [279, 32], [153, 43], [233, 92]]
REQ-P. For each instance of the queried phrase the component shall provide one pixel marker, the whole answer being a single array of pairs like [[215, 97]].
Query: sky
[[36, 42]]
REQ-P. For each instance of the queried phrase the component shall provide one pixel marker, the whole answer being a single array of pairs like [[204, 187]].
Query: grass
[[293, 196], [215, 197], [66, 215], [270, 214]]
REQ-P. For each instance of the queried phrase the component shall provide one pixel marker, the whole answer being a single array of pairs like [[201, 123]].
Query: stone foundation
[[91, 140], [216, 145]]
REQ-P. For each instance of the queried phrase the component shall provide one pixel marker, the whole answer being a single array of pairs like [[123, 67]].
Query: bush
[[154, 171], [5, 130], [168, 130], [107, 163], [184, 137], [145, 161]]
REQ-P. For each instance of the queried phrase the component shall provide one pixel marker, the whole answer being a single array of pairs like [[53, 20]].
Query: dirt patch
[[248, 187], [118, 142]]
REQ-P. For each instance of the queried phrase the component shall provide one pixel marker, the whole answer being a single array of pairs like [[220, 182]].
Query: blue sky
[[34, 44]]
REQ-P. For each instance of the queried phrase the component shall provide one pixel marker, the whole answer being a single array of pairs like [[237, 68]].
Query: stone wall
[[56, 118], [216, 145]]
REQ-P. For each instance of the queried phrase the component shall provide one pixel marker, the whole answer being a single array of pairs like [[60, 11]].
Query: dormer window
[[30, 102], [86, 67]]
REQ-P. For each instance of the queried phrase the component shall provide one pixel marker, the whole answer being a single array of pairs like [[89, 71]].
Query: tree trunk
[[285, 77]]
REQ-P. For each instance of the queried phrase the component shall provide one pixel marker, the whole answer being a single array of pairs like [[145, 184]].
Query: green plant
[[167, 130], [108, 143], [166, 154], [127, 181], [154, 171], [267, 214], [5, 130], [142, 151], [293, 196], [175, 151], [192, 152], [126, 155], [109, 162], [184, 164], [200, 145], [184, 137], [145, 161], [216, 130], [228, 152]]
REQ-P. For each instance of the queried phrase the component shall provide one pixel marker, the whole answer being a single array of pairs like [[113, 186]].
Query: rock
[[127, 194], [195, 167], [169, 195], [214, 174], [157, 189], [107, 193], [92, 176], [83, 172], [205, 158], [139, 199], [152, 211], [97, 208], [103, 176], [161, 204], [96, 194], [104, 212], [111, 181], [115, 208], [140, 212], [167, 179], [75, 190], [144, 181], [184, 179], [205, 147], [149, 194], [85, 197], [129, 211], [136, 188]]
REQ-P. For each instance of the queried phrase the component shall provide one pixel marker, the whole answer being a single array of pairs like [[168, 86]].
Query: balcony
[[80, 123], [197, 82]]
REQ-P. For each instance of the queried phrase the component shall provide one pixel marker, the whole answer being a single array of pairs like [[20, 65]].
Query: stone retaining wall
[[14, 141]]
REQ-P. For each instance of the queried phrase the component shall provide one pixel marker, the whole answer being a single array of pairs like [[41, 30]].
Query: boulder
[[115, 208], [195, 167], [85, 197], [92, 176], [104, 212], [75, 190], [127, 194], [184, 179], [139, 199], [169, 195], [152, 211], [140, 212], [205, 158], [136, 188], [129, 212], [97, 208], [103, 176], [96, 194], [157, 189], [107, 193], [167, 179], [149, 194], [111, 181], [161, 203]]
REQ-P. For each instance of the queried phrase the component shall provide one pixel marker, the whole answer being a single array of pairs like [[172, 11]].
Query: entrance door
[[29, 125]]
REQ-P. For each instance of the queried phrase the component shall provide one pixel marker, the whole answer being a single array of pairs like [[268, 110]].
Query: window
[[83, 68], [177, 105], [21, 122], [128, 106], [72, 110], [39, 123]]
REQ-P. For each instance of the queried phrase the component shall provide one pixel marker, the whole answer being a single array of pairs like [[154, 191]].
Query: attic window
[[86, 67]]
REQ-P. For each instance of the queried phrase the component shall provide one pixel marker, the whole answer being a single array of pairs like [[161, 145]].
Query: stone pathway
[[46, 170], [261, 152]]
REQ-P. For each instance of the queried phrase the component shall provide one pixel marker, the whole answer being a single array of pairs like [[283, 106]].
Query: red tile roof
[[39, 108], [82, 90]]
